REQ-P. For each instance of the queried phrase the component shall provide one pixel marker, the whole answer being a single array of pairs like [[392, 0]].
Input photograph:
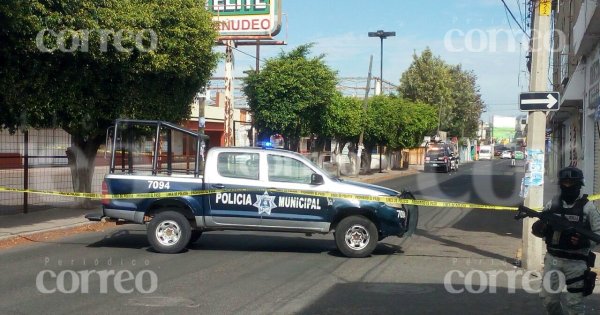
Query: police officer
[[568, 253]]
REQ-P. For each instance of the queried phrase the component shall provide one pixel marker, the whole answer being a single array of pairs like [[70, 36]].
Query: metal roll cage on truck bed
[[158, 176]]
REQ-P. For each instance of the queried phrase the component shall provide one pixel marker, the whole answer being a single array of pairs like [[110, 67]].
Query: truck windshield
[[435, 153]]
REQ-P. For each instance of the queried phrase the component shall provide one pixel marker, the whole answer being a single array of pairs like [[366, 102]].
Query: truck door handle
[[218, 186]]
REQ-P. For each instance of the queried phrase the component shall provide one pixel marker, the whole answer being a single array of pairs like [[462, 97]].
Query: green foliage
[[452, 90], [417, 120], [398, 123], [342, 119], [468, 103], [84, 90], [291, 93], [382, 121], [427, 80]]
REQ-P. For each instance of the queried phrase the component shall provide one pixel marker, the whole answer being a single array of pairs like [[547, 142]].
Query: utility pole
[[361, 146], [229, 97], [200, 100], [538, 82]]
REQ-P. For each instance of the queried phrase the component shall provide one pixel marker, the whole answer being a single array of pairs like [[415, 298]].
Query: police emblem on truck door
[[265, 203]]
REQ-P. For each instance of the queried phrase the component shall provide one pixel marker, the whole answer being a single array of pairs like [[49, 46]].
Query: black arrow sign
[[544, 101]]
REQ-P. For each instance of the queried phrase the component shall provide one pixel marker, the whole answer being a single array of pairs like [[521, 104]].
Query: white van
[[486, 152]]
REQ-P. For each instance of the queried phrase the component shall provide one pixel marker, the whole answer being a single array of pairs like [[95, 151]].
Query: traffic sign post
[[543, 101]]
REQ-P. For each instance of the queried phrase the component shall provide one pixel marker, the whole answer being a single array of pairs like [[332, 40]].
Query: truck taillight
[[105, 201], [445, 159]]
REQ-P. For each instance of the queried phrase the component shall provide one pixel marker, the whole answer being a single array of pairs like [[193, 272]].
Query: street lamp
[[382, 35]]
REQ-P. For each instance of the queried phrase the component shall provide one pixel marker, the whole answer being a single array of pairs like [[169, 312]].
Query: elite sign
[[242, 19], [543, 101]]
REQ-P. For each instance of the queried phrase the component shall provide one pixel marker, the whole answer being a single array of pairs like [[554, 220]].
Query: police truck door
[[294, 211], [235, 170]]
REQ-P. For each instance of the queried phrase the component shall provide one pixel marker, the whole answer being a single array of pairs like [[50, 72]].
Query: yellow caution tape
[[170, 194]]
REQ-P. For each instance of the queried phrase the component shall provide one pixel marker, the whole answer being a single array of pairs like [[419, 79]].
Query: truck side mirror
[[316, 179]]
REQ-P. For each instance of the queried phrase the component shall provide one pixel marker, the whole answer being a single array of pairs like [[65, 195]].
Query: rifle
[[557, 222]]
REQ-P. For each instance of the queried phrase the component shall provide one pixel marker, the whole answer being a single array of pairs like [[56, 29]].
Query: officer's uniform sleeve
[[594, 218]]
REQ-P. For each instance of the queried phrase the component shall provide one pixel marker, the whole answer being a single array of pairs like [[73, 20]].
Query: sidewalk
[[19, 226], [375, 176]]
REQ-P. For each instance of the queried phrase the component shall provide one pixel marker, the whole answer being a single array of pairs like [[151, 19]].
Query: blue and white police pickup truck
[[247, 189]]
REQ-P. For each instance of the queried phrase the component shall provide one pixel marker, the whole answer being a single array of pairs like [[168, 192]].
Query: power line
[[514, 18], [520, 12], [247, 54], [509, 24]]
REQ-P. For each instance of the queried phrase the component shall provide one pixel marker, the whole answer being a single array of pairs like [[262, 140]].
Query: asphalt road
[[263, 273]]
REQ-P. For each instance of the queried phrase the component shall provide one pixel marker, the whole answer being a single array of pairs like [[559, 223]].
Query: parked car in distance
[[506, 154], [485, 152], [498, 149]]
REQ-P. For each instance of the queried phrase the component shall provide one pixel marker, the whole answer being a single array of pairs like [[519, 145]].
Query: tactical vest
[[561, 240]]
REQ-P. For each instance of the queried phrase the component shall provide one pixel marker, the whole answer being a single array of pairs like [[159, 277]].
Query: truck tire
[[356, 236], [169, 232]]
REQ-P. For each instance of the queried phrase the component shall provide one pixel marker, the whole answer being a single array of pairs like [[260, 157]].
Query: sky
[[474, 33]]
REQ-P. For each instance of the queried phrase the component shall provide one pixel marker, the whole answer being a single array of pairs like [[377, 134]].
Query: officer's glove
[[578, 241], [539, 228]]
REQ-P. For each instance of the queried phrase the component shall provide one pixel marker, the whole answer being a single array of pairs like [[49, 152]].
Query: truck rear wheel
[[169, 232], [356, 236]]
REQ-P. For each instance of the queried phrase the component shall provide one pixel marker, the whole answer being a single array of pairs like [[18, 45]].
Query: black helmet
[[571, 172]]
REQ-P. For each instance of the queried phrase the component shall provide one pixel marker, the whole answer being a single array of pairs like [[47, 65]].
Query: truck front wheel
[[356, 236], [169, 232]]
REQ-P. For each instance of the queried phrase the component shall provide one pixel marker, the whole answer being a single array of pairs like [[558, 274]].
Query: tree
[[290, 94], [453, 91], [468, 103], [381, 125], [143, 60], [416, 120], [427, 80], [342, 119]]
